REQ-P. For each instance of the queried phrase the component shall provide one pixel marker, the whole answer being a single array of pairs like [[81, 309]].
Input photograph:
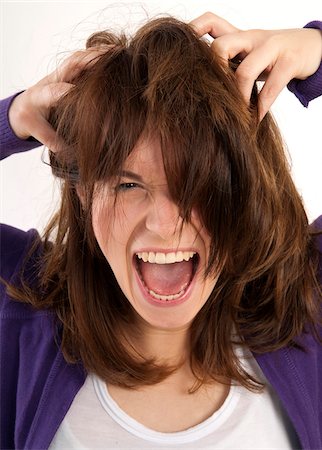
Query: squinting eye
[[126, 187]]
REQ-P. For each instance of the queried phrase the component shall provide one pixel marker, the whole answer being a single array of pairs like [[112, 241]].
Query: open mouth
[[166, 277]]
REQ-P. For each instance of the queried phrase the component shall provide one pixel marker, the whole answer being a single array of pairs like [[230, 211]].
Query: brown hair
[[218, 159]]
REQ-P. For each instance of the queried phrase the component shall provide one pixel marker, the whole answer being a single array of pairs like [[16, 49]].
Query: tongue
[[166, 279]]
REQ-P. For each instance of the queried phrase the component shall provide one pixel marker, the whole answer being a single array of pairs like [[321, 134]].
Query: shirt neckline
[[193, 433]]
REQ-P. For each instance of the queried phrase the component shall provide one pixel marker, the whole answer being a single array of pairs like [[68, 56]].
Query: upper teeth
[[165, 258]]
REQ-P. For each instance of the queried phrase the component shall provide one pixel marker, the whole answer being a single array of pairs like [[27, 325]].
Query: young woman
[[175, 297]]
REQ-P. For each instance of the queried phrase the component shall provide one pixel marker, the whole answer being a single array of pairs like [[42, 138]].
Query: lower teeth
[[166, 297]]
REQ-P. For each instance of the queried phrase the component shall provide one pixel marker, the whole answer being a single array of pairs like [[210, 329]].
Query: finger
[[45, 134], [278, 78], [255, 63], [212, 24], [44, 98], [73, 65], [51, 93], [231, 45]]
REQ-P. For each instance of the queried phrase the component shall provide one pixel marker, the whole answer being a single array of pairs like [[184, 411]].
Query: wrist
[[16, 117], [310, 88]]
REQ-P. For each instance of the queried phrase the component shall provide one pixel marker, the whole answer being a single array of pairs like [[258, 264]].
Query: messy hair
[[219, 160]]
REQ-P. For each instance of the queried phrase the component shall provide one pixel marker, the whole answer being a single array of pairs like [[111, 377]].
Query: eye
[[122, 187]]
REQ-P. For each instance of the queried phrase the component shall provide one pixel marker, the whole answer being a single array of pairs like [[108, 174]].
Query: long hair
[[219, 160]]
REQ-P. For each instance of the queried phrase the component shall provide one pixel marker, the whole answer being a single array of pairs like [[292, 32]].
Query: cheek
[[111, 227], [102, 223], [112, 237]]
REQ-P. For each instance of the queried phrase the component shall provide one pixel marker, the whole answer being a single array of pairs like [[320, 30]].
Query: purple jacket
[[38, 386]]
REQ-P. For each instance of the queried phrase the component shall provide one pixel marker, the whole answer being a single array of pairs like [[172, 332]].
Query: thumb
[[46, 134]]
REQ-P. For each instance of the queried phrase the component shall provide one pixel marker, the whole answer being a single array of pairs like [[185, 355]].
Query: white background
[[36, 36]]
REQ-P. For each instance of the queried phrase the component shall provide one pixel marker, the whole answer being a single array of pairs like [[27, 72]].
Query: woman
[[174, 299]]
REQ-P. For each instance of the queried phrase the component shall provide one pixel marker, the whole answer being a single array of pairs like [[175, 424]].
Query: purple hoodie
[[38, 386]]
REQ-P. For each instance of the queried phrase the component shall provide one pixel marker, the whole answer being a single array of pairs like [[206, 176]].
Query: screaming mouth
[[175, 269]]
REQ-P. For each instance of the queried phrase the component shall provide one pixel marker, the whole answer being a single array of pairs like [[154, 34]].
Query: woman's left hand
[[273, 56]]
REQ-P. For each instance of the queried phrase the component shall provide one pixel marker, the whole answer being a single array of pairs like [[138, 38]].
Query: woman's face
[[157, 261]]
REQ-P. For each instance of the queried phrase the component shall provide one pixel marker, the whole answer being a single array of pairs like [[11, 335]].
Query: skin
[[274, 56], [145, 218]]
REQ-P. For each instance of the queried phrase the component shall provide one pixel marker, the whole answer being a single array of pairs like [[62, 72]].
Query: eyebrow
[[129, 174]]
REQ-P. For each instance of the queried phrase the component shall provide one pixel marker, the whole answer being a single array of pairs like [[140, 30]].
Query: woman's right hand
[[29, 111]]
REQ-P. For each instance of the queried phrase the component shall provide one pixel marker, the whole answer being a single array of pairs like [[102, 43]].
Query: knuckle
[[288, 59], [285, 54], [74, 59], [219, 46], [269, 93], [209, 15], [53, 91], [77, 55], [244, 73]]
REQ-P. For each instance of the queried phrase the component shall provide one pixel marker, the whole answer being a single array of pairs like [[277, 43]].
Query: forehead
[[146, 157]]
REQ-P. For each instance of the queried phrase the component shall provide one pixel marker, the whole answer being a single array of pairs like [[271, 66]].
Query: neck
[[165, 345]]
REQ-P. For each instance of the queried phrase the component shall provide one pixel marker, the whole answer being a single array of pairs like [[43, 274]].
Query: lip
[[162, 303]]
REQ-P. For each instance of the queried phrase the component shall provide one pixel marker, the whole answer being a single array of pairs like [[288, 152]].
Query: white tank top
[[246, 420]]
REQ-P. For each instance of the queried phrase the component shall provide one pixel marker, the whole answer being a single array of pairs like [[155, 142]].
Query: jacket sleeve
[[311, 88], [13, 242], [9, 142]]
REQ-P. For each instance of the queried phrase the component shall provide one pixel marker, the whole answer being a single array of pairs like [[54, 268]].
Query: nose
[[163, 217]]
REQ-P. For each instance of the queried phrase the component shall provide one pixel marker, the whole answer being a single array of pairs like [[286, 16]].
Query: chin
[[166, 318]]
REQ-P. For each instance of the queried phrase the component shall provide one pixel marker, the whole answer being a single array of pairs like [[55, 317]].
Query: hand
[[273, 56], [29, 111]]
